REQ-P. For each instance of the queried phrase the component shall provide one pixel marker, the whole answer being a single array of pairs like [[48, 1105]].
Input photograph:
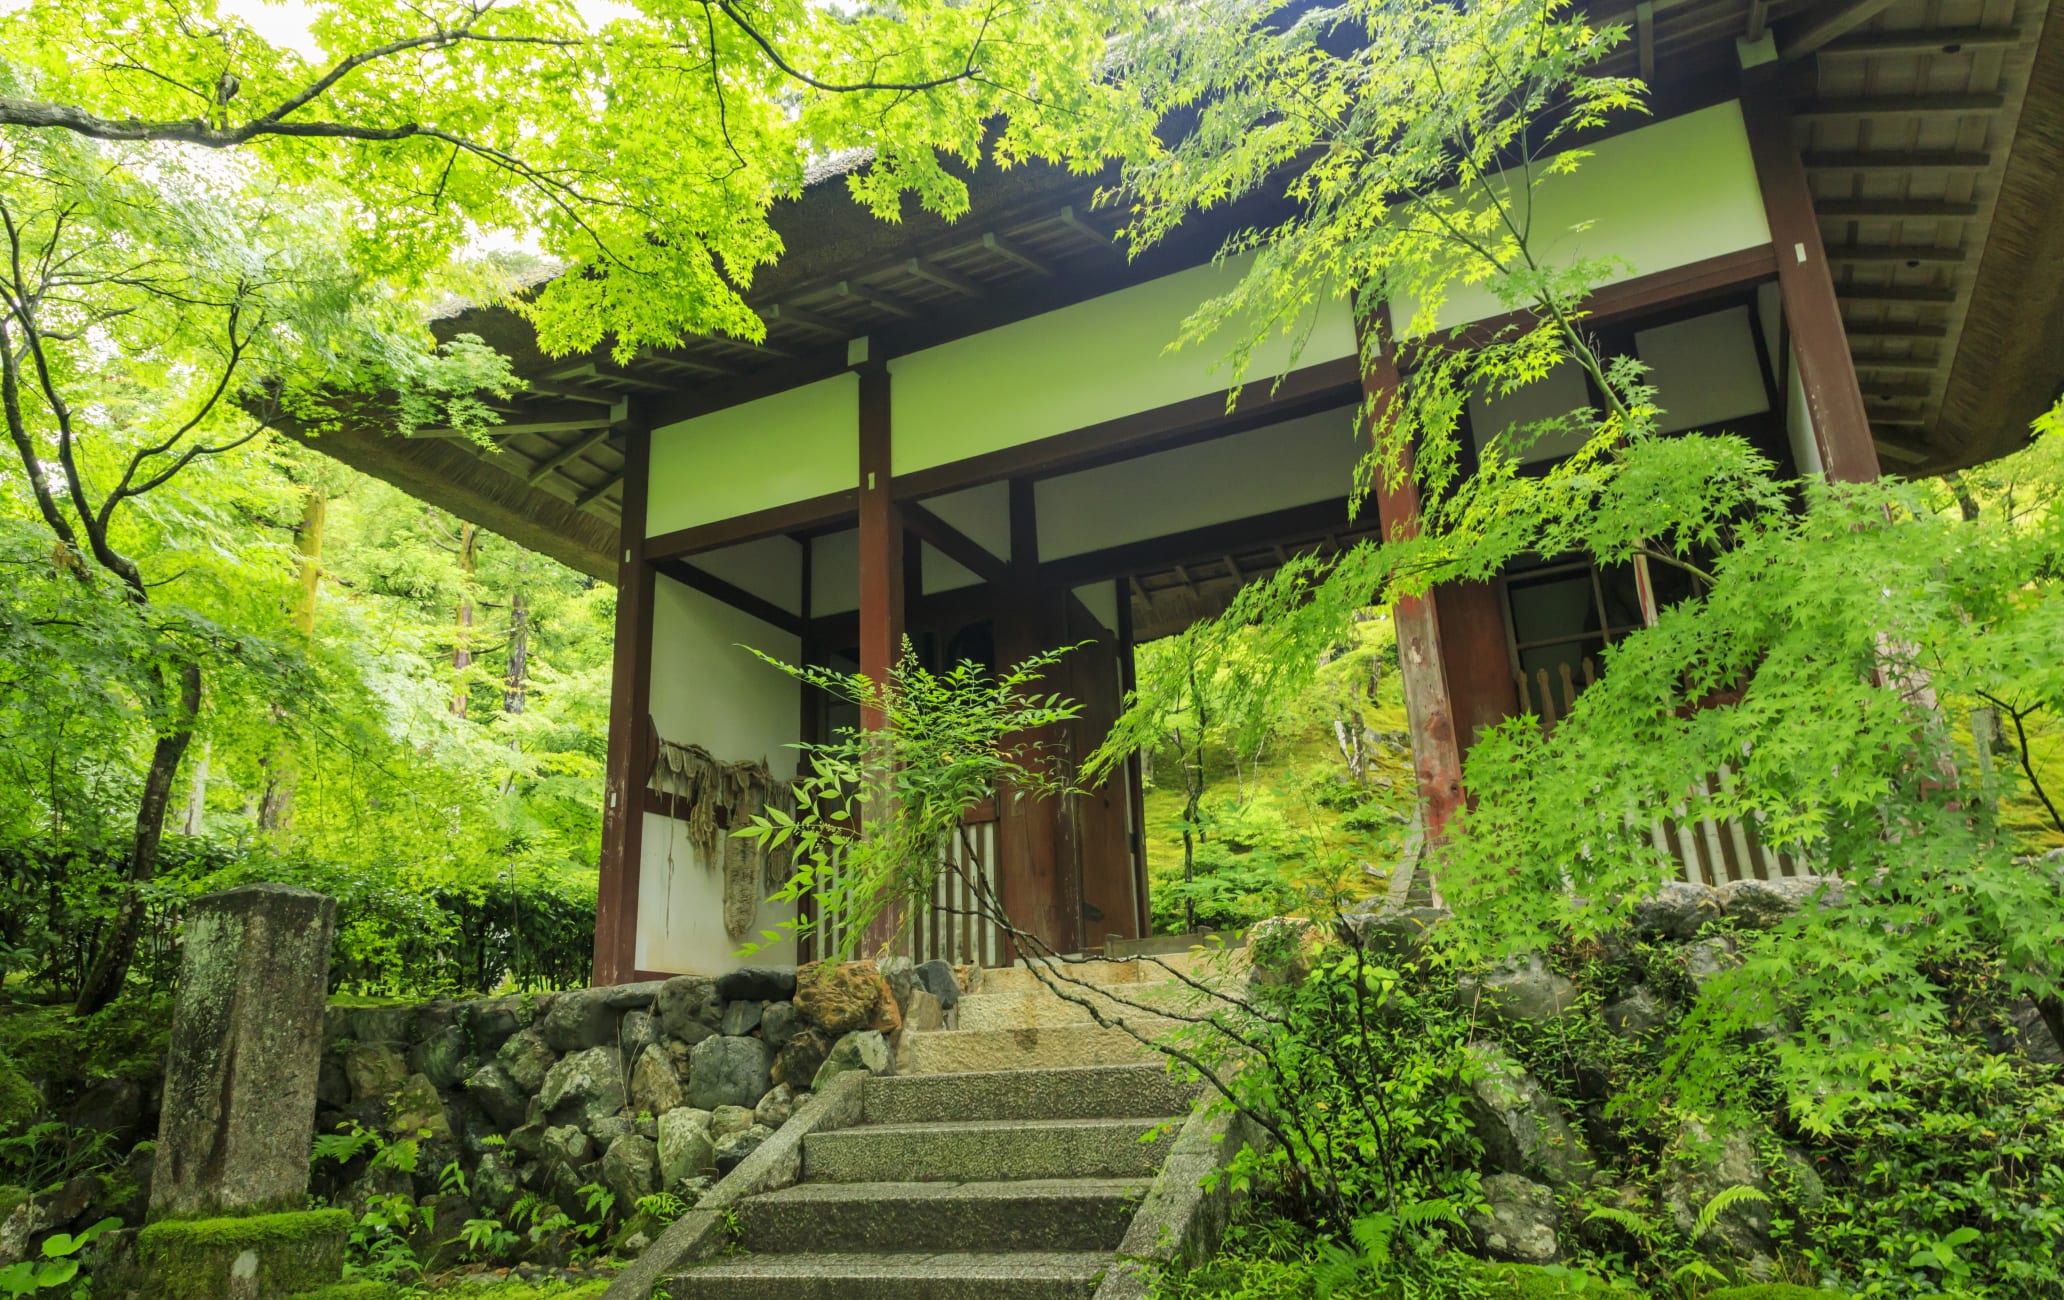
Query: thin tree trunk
[[110, 969], [516, 682], [462, 650], [275, 806], [195, 820]]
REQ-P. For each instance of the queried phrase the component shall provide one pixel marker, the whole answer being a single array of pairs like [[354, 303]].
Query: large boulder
[[729, 1072], [442, 1057], [1707, 960], [900, 974], [630, 1168], [1679, 910], [654, 1088], [799, 1061], [1518, 1221], [732, 1151], [1391, 933], [374, 1070], [778, 1106], [1520, 1124], [418, 1112], [1522, 990], [497, 1095], [689, 1008], [740, 1018], [778, 1024], [839, 997], [1765, 904], [863, 1049], [1697, 1170], [937, 978], [579, 1019], [685, 1146], [584, 1086], [726, 1120], [757, 984], [527, 1060], [1641, 1012], [638, 1031], [2033, 1035]]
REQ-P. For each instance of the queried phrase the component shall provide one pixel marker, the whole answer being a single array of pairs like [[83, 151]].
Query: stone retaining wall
[[640, 1088]]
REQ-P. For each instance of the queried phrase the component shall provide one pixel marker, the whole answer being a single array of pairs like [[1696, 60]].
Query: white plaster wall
[[1704, 370], [1665, 195], [770, 568], [1078, 366], [835, 573], [707, 690], [983, 513], [791, 446], [1272, 468], [1799, 425]]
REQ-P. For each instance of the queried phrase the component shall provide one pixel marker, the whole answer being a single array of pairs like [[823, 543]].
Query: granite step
[[1081, 1092], [959, 1051], [1041, 1275], [1065, 1214], [1045, 1008], [987, 1151]]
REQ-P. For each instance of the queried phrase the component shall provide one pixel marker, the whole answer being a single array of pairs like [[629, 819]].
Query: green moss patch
[[193, 1259], [1550, 1282], [1773, 1291]]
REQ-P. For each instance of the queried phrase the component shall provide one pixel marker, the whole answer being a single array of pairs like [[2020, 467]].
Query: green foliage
[[1954, 1182], [51, 1153], [947, 742], [58, 1266]]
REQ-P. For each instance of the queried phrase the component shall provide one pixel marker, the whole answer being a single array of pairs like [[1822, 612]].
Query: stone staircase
[[1005, 1158]]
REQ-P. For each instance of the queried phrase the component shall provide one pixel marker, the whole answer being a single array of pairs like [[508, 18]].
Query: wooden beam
[[596, 491], [1927, 364], [1712, 277], [1103, 240], [558, 416], [1894, 209], [1016, 256], [566, 456], [1812, 311], [1801, 38], [1897, 160], [887, 302], [1644, 39], [955, 545], [1917, 253], [833, 507], [1759, 20], [1297, 524], [784, 313], [1893, 451], [932, 273], [1920, 294], [1198, 419], [1902, 105], [731, 594], [1894, 330], [881, 539], [628, 764], [1924, 40]]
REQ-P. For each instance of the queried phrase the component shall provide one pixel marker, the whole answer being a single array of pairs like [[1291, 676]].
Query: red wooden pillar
[[881, 586], [1429, 705], [1812, 313], [628, 763], [881, 538]]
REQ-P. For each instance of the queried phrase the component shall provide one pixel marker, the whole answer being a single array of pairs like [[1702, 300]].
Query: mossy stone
[[360, 1290], [235, 1258]]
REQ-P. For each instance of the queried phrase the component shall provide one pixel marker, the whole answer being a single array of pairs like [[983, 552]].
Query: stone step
[[1066, 1214], [1082, 1092], [1026, 1276], [959, 1051], [1045, 1008], [986, 1151], [1202, 964]]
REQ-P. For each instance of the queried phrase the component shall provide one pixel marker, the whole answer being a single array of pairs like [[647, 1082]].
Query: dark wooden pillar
[[630, 707], [881, 538], [881, 587], [1812, 313]]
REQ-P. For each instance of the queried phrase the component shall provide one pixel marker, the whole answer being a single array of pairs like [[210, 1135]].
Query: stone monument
[[230, 1185]]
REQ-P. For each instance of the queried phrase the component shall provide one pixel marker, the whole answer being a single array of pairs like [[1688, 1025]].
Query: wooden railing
[[1707, 850], [953, 926]]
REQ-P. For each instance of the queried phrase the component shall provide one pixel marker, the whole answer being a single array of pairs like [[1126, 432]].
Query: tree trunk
[[462, 649], [195, 820], [276, 804], [104, 979], [516, 683]]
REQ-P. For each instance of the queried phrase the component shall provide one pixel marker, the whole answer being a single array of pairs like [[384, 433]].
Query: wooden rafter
[[1894, 253], [552, 464], [1894, 160], [1811, 33], [955, 545], [1016, 256], [1923, 40], [1920, 294], [854, 291], [1894, 209], [1903, 105]]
